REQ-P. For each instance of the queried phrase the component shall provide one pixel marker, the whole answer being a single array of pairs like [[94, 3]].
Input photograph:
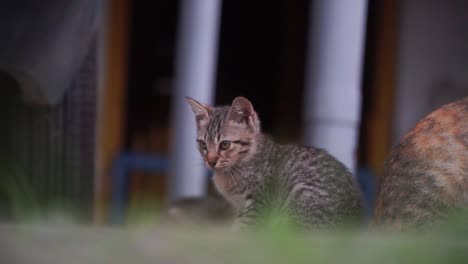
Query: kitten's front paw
[[239, 225]]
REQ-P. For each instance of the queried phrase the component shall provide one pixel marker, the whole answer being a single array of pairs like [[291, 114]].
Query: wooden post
[[111, 99], [378, 128]]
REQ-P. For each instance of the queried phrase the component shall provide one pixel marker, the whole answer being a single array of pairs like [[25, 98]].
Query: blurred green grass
[[36, 233], [17, 194], [21, 202], [183, 244], [281, 243]]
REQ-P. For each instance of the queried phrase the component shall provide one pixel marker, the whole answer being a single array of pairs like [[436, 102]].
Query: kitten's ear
[[242, 111], [201, 111]]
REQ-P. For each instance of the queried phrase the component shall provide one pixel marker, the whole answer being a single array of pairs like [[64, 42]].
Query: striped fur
[[259, 177]]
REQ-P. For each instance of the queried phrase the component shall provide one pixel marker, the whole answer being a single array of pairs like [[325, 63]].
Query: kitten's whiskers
[[233, 177]]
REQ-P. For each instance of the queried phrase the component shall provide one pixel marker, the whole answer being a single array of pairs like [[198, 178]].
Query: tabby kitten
[[260, 178], [426, 175]]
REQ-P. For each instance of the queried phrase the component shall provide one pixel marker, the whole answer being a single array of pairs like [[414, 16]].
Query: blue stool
[[366, 180], [121, 168]]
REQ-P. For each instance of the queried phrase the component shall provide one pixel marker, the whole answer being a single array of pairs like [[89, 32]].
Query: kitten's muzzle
[[211, 158], [212, 164]]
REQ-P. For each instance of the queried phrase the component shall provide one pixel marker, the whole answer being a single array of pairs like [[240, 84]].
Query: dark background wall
[[261, 56]]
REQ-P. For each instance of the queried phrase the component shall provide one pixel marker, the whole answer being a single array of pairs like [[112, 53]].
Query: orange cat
[[426, 175]]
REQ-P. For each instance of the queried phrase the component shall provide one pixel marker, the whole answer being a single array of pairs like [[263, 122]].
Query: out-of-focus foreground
[[43, 244]]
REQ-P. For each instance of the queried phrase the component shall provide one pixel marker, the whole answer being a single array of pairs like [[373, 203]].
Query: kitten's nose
[[211, 160], [212, 163]]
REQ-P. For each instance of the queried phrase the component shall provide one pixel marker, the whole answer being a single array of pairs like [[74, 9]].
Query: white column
[[333, 76], [196, 60]]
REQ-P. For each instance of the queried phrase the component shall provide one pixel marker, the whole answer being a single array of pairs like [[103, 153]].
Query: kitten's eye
[[202, 144], [225, 144]]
